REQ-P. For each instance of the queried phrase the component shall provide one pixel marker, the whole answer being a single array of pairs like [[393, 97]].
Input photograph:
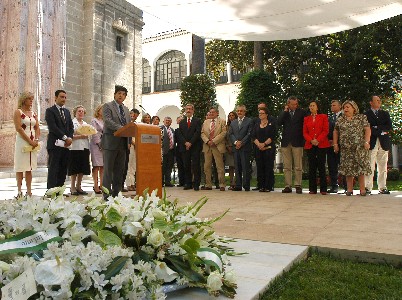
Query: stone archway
[[169, 111]]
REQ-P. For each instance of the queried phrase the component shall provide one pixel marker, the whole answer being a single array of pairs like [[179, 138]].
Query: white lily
[[53, 272], [165, 273]]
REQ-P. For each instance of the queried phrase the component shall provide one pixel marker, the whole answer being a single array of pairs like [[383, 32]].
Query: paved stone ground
[[372, 224]]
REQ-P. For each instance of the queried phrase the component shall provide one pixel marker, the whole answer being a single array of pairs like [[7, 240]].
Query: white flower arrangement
[[119, 249]]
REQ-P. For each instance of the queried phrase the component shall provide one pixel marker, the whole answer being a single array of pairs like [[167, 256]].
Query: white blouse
[[79, 144]]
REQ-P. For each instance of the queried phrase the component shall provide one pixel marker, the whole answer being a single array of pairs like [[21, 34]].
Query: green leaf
[[161, 224], [140, 255], [183, 267], [109, 238], [97, 226], [193, 244], [115, 267], [113, 216]]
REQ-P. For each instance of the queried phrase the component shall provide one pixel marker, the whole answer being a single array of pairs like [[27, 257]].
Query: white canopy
[[267, 20]]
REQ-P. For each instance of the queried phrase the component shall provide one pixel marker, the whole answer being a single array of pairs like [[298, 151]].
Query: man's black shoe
[[237, 189], [247, 189], [256, 189], [187, 187], [333, 190], [384, 192], [196, 188], [368, 192]]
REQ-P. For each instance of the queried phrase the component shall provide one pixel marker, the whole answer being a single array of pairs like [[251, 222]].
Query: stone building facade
[[85, 47]]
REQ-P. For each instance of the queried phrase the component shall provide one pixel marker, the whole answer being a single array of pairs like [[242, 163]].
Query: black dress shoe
[[256, 189], [237, 189], [333, 191], [81, 192], [196, 188], [169, 185], [247, 189], [384, 192], [187, 188], [205, 188]]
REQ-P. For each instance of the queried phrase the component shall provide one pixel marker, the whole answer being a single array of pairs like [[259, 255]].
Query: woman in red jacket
[[315, 132]]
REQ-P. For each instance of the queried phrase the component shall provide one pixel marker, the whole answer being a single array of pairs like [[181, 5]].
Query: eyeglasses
[[262, 113]]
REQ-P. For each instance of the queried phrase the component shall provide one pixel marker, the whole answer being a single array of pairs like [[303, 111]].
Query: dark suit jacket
[[192, 134], [112, 122], [332, 121], [166, 140], [57, 128], [379, 125], [292, 128], [242, 134]]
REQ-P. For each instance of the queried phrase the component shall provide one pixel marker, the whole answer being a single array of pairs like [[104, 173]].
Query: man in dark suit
[[61, 130], [115, 116], [292, 143], [168, 147], [333, 158], [240, 137], [189, 143], [179, 156], [380, 144]]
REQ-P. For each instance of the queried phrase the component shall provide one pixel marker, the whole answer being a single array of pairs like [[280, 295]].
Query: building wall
[[46, 45]]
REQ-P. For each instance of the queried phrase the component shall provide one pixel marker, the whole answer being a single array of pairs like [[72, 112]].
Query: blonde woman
[[352, 135], [79, 159], [96, 150], [27, 127]]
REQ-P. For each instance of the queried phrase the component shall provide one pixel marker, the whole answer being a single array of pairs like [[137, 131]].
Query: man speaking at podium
[[115, 116]]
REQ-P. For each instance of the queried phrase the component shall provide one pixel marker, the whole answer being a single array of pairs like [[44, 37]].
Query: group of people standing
[[351, 144]]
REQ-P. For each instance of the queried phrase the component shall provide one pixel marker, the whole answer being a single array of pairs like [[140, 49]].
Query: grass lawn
[[324, 277]]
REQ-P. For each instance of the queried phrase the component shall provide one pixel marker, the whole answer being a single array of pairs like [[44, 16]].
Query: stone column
[[198, 55]]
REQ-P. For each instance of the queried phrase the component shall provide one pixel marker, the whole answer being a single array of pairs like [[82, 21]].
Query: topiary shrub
[[199, 90]]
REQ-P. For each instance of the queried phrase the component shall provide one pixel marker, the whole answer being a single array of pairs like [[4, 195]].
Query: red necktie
[[188, 122], [170, 138]]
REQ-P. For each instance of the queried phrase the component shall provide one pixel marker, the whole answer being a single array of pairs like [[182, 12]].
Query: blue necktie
[[122, 116]]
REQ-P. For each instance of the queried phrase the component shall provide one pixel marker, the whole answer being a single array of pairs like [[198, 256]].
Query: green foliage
[[394, 106], [353, 64], [199, 90], [324, 277], [393, 174], [258, 86]]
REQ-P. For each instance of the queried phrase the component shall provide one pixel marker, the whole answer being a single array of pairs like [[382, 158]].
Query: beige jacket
[[219, 135]]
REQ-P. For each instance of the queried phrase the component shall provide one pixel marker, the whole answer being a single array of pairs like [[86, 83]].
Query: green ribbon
[[29, 241]]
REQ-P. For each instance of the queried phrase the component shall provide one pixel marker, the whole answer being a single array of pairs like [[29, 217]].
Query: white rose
[[214, 281], [158, 214], [132, 228], [230, 276], [156, 238], [4, 266]]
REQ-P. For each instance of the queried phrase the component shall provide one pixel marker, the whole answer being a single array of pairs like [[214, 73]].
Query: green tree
[[394, 106], [353, 64], [199, 90], [259, 86]]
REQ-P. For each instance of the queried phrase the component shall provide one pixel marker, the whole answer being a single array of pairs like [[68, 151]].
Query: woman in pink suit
[[96, 150], [315, 132]]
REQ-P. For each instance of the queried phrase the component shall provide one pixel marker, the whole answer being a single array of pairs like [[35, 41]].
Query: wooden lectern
[[148, 155]]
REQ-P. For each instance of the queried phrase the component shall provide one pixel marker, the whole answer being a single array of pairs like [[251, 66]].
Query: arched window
[[146, 76], [170, 69]]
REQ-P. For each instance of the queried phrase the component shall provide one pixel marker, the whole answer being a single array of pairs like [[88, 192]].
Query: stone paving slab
[[255, 270], [372, 223]]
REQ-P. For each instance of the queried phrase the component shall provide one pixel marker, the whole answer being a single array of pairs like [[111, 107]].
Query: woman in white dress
[[27, 127]]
